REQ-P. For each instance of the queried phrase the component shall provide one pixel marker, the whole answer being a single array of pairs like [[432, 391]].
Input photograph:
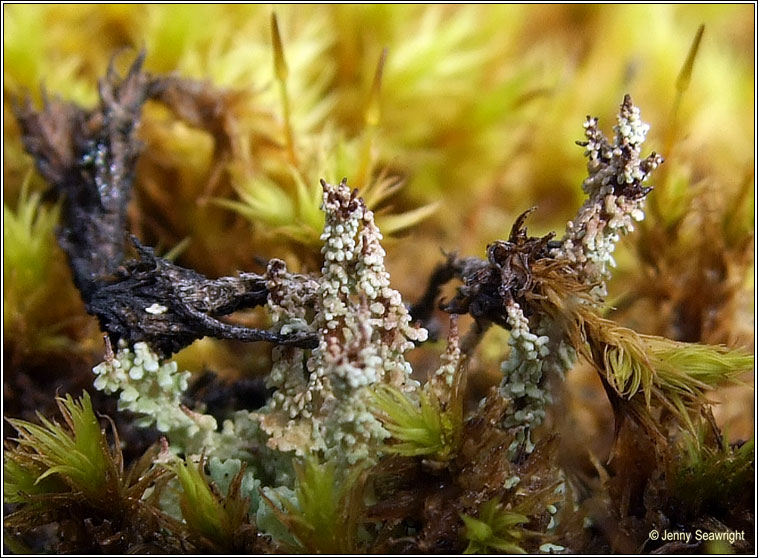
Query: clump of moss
[[38, 298], [707, 474], [72, 475], [422, 428], [215, 522], [428, 422], [433, 497], [494, 530], [697, 482], [326, 514]]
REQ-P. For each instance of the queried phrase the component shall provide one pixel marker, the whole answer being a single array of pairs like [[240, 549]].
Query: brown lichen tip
[[616, 195]]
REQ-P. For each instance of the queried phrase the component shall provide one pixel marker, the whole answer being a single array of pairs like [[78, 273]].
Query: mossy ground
[[475, 119]]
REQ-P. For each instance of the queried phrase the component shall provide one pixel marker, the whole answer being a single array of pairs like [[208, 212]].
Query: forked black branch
[[89, 160]]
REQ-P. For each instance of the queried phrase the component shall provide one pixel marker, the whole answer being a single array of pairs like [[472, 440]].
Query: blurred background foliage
[[470, 120]]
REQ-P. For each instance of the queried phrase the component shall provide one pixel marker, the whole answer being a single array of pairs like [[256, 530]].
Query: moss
[[70, 475], [215, 521], [494, 530], [325, 516], [418, 429], [711, 475]]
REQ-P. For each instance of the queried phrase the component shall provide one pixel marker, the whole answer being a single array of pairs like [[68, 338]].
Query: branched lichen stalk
[[615, 196], [363, 332], [152, 389]]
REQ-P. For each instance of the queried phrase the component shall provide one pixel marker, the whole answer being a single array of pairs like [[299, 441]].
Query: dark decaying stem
[[89, 159], [488, 284]]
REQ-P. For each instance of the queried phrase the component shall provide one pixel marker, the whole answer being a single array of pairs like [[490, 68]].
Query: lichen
[[363, 329], [615, 196], [152, 388]]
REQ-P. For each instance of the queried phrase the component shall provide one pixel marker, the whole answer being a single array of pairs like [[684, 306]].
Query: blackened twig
[[453, 268], [169, 307], [89, 159], [488, 285]]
